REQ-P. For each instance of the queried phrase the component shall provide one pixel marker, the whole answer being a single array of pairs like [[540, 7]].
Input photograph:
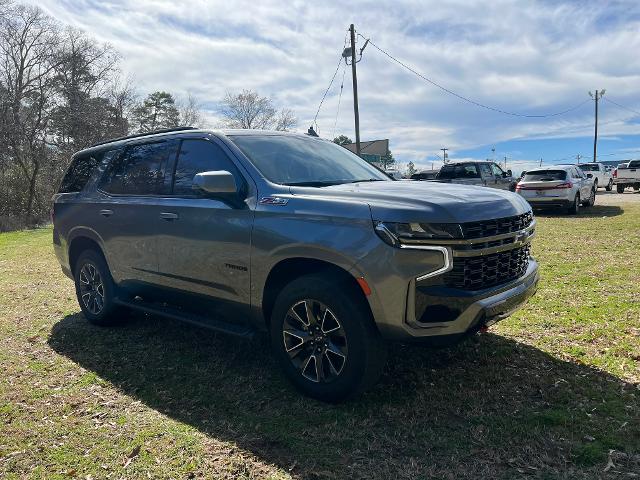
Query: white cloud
[[524, 57]]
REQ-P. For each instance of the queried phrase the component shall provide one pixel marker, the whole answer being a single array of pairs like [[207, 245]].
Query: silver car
[[559, 186]]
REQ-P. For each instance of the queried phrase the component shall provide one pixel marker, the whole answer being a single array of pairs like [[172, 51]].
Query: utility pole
[[444, 155], [354, 77], [540, 161], [505, 163], [597, 96], [578, 157]]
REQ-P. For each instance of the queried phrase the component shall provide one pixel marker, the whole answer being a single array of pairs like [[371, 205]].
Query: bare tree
[[191, 113], [285, 120], [84, 69], [122, 96], [28, 41], [249, 110]]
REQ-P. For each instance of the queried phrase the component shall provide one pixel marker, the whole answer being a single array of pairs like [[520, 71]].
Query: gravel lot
[[614, 198]]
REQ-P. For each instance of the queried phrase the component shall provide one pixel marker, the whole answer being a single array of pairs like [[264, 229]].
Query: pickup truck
[[627, 175], [601, 176], [487, 173]]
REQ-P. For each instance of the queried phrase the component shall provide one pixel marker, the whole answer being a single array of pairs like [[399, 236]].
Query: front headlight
[[396, 234]]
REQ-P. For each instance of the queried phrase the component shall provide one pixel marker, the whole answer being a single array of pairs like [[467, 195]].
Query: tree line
[[61, 91]]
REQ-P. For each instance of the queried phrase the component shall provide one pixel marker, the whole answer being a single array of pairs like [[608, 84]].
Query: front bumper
[[451, 313]]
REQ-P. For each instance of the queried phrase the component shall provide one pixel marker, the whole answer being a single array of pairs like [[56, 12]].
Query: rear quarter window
[[80, 170], [140, 170]]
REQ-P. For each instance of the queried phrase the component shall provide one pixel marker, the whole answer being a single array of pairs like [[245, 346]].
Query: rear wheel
[[620, 188], [609, 186], [324, 338], [96, 290], [595, 184], [591, 200], [575, 208]]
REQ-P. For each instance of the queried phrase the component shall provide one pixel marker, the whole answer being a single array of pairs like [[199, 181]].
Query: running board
[[176, 314]]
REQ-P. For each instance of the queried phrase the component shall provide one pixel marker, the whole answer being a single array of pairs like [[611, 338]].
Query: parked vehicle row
[[246, 231]]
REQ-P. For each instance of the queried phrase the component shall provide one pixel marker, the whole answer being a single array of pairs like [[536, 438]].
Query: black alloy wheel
[[96, 290], [315, 341], [91, 288]]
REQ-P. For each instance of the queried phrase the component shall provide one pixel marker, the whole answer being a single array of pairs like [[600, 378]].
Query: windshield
[[293, 160], [545, 176], [589, 168]]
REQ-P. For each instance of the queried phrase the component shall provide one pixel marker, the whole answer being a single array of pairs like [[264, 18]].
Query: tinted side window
[[79, 172], [634, 164], [485, 170], [197, 156], [140, 169], [468, 170]]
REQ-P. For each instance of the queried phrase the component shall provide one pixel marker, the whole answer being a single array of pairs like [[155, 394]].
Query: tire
[[636, 187], [591, 200], [96, 290], [338, 335], [609, 186], [575, 208], [595, 184], [620, 188]]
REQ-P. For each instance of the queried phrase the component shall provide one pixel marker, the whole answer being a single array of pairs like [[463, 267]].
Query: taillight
[[565, 185], [615, 173]]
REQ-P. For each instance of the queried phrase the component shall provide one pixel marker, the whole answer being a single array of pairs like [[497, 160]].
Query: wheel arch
[[80, 244], [289, 269]]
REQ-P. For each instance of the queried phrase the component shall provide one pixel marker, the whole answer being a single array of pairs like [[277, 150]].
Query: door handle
[[169, 216], [106, 212]]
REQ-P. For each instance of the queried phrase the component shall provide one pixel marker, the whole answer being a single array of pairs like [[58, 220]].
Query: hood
[[408, 201]]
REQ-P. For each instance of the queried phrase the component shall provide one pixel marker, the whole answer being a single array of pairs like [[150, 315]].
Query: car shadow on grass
[[489, 408], [589, 212]]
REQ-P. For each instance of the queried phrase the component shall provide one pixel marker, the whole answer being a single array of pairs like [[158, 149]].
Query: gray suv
[[246, 231]]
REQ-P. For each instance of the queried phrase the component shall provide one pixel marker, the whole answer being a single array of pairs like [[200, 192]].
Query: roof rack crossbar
[[138, 135]]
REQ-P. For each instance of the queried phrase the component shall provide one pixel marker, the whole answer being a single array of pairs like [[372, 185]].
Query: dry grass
[[551, 393]]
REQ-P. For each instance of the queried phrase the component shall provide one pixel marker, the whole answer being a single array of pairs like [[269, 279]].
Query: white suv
[[559, 186]]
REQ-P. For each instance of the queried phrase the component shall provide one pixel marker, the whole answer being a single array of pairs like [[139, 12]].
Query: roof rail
[[137, 135]]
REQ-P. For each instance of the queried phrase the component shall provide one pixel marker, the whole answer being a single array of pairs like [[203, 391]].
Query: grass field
[[552, 392]]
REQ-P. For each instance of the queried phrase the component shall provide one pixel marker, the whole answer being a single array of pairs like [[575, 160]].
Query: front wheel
[[324, 338]]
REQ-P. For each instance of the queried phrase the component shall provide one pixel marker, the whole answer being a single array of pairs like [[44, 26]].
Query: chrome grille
[[497, 226], [477, 273]]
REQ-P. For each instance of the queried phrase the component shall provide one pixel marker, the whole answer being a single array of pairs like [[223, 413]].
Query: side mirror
[[219, 181], [589, 175], [509, 173]]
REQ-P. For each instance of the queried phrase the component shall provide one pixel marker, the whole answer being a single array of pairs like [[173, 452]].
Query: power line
[[473, 102], [621, 106], [330, 83], [327, 91], [335, 123]]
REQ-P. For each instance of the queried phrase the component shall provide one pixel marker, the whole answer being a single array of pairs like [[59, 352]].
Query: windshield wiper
[[367, 180]]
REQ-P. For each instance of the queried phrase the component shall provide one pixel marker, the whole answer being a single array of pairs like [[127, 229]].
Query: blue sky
[[530, 57]]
